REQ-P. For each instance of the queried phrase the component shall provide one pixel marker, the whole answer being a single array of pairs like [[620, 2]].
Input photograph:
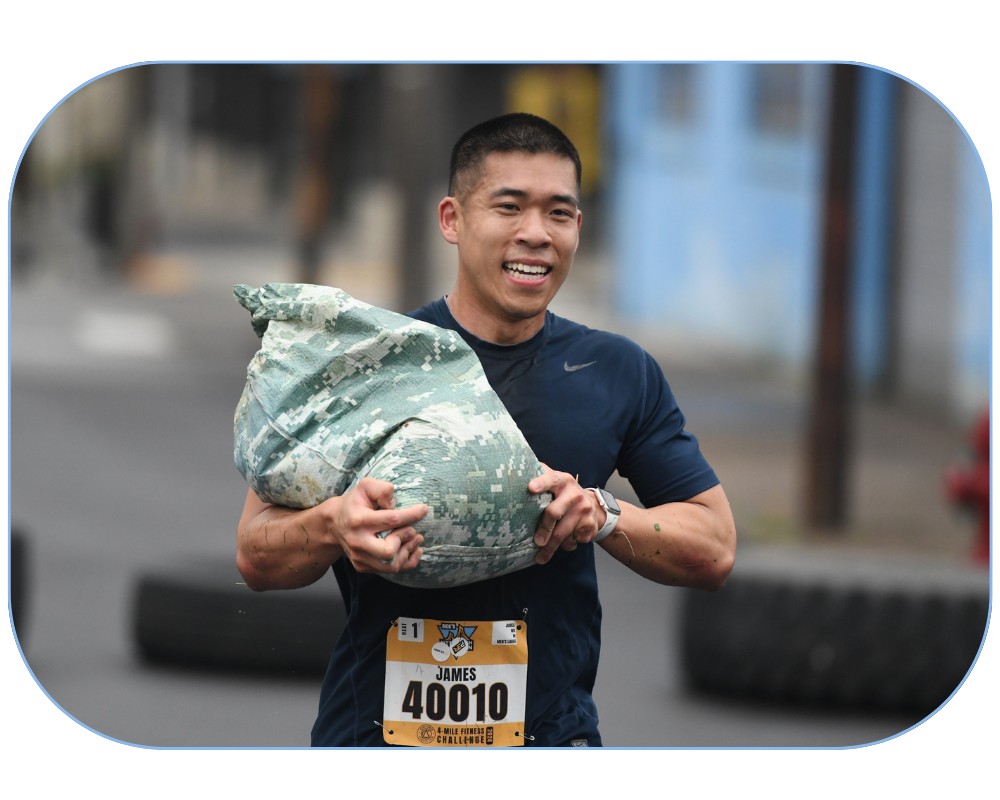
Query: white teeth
[[525, 269]]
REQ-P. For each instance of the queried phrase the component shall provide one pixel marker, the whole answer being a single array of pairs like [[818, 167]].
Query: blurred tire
[[19, 580], [205, 617], [836, 632]]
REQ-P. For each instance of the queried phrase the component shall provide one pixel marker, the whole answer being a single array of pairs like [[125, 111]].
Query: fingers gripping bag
[[341, 390]]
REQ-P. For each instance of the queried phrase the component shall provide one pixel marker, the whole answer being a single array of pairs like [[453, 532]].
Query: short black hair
[[511, 133]]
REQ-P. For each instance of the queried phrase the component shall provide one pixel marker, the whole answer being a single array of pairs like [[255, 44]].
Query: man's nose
[[533, 231]]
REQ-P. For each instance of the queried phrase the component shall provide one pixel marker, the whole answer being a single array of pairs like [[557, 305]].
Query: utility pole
[[411, 96], [314, 189], [830, 425]]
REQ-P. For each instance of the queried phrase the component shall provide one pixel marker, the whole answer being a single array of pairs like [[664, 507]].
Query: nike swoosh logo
[[568, 368]]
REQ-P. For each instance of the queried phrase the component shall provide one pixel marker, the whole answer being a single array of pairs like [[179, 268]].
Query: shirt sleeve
[[659, 458]]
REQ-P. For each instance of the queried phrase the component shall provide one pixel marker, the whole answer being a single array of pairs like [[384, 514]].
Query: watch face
[[611, 502]]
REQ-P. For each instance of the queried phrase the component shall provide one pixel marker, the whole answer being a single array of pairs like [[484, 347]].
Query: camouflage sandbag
[[341, 390]]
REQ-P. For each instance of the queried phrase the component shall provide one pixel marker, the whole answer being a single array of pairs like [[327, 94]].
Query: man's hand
[[363, 512], [281, 548], [689, 543], [573, 518]]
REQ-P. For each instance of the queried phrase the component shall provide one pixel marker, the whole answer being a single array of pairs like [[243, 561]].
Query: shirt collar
[[528, 347]]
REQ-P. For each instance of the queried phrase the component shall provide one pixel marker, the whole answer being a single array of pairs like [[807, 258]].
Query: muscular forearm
[[680, 544], [692, 543], [281, 548]]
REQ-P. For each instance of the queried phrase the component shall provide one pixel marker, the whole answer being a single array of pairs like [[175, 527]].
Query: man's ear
[[449, 214]]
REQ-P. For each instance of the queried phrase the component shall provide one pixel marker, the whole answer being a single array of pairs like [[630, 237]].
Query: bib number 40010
[[455, 702]]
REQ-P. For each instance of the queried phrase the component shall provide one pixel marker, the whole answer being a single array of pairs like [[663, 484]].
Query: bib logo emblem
[[425, 733], [457, 638]]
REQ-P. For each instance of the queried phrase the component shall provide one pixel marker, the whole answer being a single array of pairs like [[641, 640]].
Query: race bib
[[455, 683]]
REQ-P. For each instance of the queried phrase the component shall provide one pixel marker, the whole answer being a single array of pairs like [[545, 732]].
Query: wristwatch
[[610, 506]]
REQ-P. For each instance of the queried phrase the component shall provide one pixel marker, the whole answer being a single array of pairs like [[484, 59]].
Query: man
[[587, 402]]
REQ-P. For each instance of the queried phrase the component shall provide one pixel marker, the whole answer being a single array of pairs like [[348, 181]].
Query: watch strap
[[612, 520]]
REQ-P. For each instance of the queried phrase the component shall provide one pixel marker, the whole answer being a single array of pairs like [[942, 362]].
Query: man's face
[[517, 232]]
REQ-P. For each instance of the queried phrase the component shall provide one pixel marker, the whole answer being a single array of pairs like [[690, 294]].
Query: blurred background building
[[702, 184], [707, 202], [717, 208]]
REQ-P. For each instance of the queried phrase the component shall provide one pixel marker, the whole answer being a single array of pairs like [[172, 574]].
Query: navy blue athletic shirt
[[588, 403]]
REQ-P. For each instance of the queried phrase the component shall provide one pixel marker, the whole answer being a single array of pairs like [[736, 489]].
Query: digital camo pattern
[[341, 390]]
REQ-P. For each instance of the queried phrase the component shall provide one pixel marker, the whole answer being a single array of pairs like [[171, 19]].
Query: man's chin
[[522, 313]]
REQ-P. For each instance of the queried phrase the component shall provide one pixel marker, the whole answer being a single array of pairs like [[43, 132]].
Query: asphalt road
[[121, 460]]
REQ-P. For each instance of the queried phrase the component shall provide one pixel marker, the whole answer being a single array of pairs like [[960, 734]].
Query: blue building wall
[[872, 251], [974, 292], [715, 220]]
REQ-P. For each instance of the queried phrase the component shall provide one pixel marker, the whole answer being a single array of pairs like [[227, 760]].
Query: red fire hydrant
[[970, 486]]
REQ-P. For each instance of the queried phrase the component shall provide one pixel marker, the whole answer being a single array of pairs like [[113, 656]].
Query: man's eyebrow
[[506, 191], [566, 198]]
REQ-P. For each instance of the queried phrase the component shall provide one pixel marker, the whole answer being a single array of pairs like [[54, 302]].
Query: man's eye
[[508, 207]]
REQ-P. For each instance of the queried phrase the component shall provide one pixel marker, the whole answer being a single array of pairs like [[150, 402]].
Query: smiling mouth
[[526, 271]]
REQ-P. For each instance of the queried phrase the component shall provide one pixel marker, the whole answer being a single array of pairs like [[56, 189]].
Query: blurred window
[[568, 96], [676, 93], [778, 102], [249, 105]]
